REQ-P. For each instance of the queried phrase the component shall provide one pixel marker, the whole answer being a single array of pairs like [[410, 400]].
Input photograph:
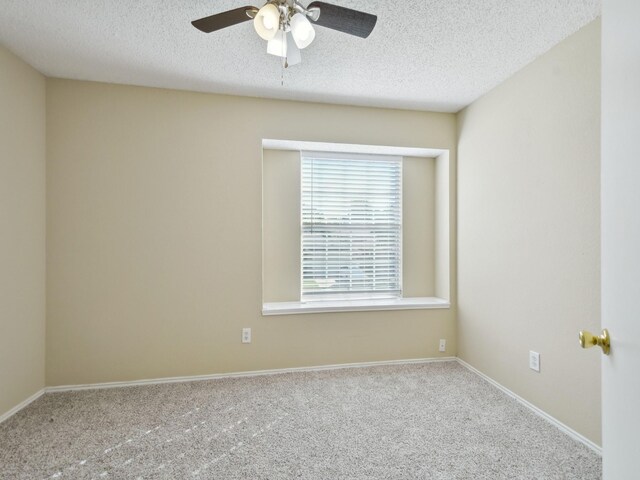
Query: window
[[351, 212], [353, 227]]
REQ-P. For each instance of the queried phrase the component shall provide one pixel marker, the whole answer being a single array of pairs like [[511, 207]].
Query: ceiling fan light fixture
[[302, 31], [288, 26], [267, 21], [278, 44]]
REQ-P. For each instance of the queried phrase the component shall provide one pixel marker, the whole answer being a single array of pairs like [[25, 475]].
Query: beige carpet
[[421, 421]]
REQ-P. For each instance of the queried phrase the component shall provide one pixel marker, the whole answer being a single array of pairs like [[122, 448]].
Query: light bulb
[[267, 21], [302, 30]]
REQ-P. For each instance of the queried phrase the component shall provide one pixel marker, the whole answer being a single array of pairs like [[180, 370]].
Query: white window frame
[[353, 298]]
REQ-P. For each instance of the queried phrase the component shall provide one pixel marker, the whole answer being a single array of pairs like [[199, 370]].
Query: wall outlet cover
[[443, 344], [534, 360], [246, 335]]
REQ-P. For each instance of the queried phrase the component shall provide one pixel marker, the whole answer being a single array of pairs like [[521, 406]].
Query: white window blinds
[[351, 226]]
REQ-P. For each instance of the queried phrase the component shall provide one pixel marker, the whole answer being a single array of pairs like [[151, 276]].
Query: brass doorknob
[[588, 340]]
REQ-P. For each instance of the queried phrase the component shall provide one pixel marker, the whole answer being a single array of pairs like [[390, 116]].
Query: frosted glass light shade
[[302, 30], [293, 53], [267, 21], [278, 44]]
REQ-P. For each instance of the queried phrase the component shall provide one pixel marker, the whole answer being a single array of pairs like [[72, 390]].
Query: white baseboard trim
[[552, 420], [21, 405], [253, 373]]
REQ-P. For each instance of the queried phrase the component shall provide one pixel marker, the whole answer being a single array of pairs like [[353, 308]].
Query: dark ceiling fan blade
[[224, 19], [344, 19]]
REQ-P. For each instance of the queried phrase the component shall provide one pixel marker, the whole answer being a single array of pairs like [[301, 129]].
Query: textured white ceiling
[[423, 54]]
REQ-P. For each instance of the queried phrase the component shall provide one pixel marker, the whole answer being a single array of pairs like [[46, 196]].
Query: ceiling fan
[[288, 26]]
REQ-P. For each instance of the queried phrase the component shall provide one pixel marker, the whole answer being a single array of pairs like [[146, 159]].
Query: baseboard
[[253, 373], [554, 421], [21, 405]]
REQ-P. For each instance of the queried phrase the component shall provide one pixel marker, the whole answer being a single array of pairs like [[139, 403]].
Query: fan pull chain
[[282, 72]]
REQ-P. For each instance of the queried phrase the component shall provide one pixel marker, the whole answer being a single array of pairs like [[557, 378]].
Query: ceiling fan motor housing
[[288, 8]]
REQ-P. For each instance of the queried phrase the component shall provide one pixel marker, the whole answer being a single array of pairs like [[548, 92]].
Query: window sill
[[412, 303]]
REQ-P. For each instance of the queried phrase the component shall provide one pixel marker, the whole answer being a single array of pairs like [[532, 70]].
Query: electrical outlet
[[443, 344], [246, 335], [534, 360]]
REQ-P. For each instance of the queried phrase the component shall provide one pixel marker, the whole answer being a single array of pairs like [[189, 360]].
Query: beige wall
[[22, 231], [281, 226], [154, 235], [445, 251], [419, 227], [528, 223]]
